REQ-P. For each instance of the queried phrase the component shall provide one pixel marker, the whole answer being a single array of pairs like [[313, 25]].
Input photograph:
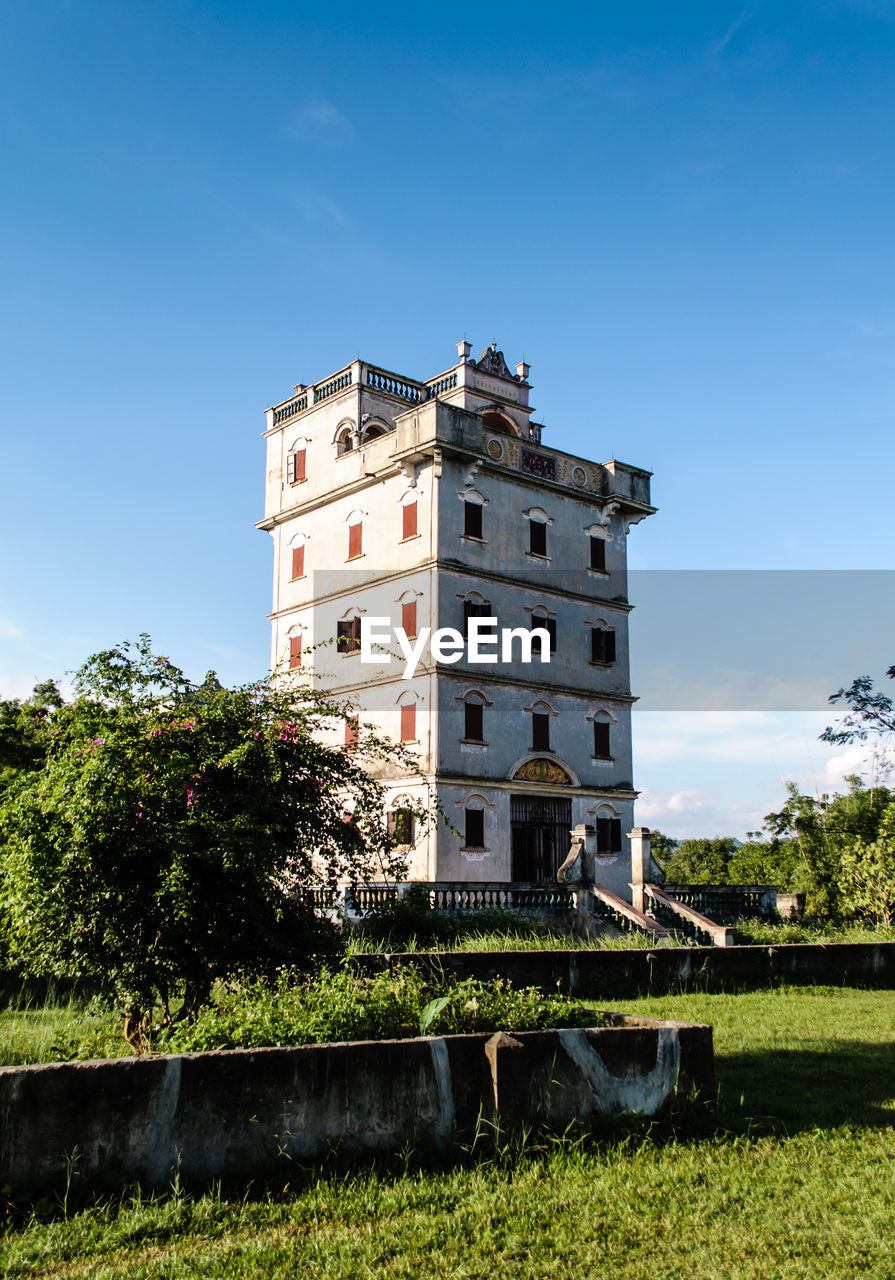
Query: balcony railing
[[330, 388], [447, 383], [290, 410]]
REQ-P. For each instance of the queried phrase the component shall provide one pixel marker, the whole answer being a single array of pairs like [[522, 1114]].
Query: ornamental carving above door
[[542, 770]]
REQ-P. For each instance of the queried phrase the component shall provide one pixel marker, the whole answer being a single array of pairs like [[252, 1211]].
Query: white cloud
[[320, 121], [720, 773]]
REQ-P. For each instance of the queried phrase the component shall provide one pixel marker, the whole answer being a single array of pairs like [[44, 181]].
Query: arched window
[[602, 643], [344, 441], [598, 536], [609, 831], [296, 462], [538, 521], [603, 725], [297, 548], [409, 515], [373, 430], [348, 632], [474, 716], [355, 522], [541, 713], [494, 421], [407, 709]]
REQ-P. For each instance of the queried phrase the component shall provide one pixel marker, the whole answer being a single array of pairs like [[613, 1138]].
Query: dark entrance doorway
[[540, 827]]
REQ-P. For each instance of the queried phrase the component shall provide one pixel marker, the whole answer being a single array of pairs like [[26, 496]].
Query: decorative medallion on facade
[[491, 361], [542, 770], [579, 475], [495, 449]]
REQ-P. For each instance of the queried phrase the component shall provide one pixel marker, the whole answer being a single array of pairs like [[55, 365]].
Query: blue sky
[[681, 215]]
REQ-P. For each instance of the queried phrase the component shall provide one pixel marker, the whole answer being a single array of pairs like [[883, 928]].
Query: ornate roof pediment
[[491, 361]]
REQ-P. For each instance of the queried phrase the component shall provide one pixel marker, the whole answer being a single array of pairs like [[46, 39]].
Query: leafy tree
[[870, 714], [817, 831], [700, 861], [24, 736], [766, 862], [868, 873], [175, 829]]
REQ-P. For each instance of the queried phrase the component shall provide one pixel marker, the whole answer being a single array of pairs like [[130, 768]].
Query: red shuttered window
[[348, 636], [408, 618], [294, 652], [298, 562], [296, 464], [408, 723], [408, 520], [351, 728], [355, 540]]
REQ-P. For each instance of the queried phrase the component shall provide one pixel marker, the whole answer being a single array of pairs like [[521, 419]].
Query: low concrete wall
[[232, 1114], [609, 974]]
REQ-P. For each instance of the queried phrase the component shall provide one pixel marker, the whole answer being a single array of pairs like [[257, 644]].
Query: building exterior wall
[[463, 437]]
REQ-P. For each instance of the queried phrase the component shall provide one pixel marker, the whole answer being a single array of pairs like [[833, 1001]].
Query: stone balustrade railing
[[327, 389], [726, 903], [627, 919], [290, 410], [677, 916], [440, 385]]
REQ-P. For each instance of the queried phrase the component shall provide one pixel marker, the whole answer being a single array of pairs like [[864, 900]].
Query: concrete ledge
[[231, 1114], [612, 975]]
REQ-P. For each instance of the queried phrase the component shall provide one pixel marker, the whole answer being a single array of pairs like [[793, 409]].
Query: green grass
[[767, 932], [795, 1178], [510, 938], [529, 936]]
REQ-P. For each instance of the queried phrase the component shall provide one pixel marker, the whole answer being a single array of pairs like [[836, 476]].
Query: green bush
[[341, 1005]]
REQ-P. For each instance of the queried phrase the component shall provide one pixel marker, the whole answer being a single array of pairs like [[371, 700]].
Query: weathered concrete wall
[[233, 1114], [615, 974]]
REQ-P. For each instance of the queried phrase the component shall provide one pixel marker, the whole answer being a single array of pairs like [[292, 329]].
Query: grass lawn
[[794, 1178]]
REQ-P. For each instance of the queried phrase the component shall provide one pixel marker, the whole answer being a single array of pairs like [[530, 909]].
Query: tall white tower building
[[431, 504]]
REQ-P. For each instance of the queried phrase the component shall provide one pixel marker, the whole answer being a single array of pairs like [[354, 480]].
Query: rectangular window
[[351, 728], [548, 625], [355, 540], [296, 466], [294, 652], [598, 554], [473, 609], [472, 519], [537, 538], [473, 722], [298, 562], [408, 618], [408, 723], [540, 731], [408, 520], [602, 645], [475, 828], [348, 636], [609, 835], [601, 739], [400, 826]]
